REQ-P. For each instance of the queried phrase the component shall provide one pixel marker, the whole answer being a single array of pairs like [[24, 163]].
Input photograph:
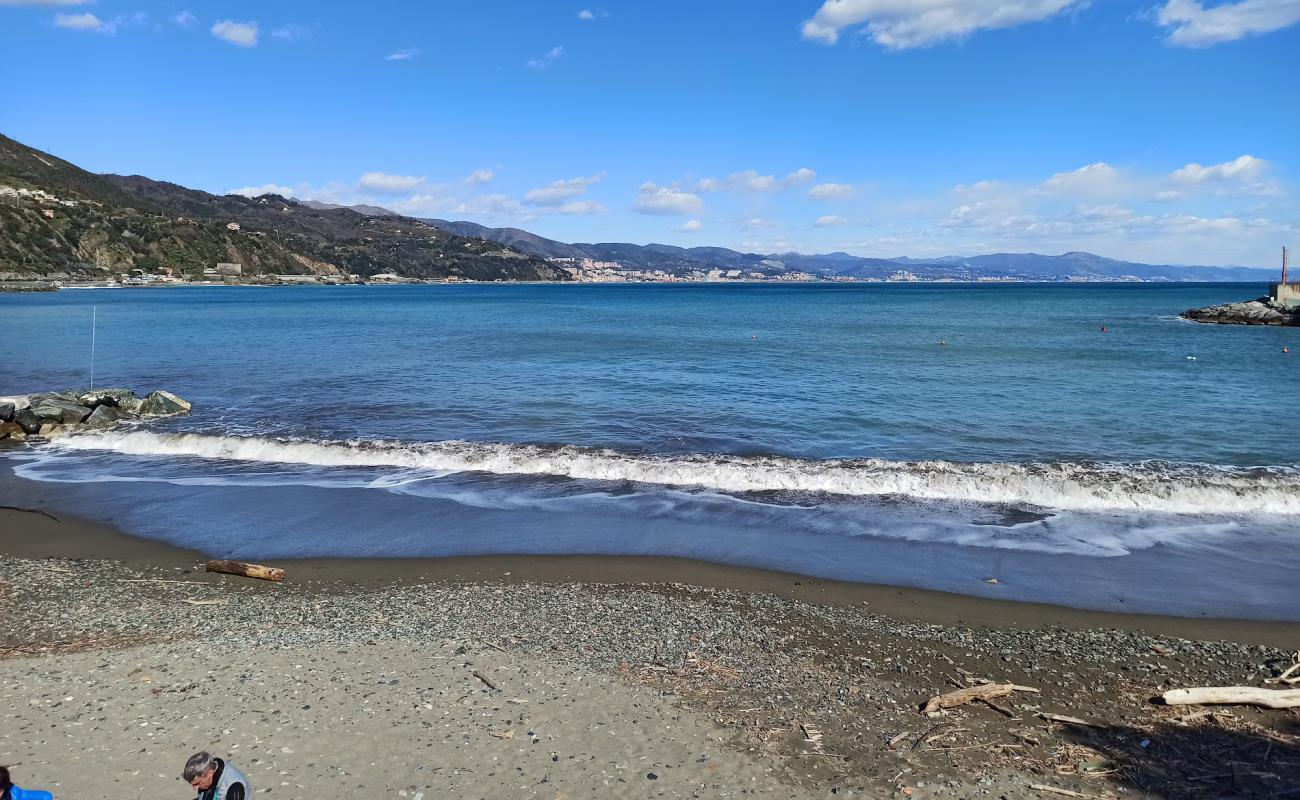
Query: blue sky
[[1164, 131]]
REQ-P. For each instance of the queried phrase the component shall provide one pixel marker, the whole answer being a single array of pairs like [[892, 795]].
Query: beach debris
[[1289, 677], [31, 511], [188, 601], [485, 679], [245, 569], [811, 735], [1045, 789], [507, 735], [970, 694], [1063, 719], [1234, 695]]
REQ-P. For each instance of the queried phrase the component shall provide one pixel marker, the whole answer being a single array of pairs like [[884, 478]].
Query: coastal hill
[[60, 221], [1022, 266]]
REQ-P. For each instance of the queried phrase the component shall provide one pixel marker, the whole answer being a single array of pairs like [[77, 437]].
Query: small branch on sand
[[1234, 695], [1070, 720], [31, 511], [247, 570], [971, 694], [1290, 678], [1042, 787], [203, 602], [485, 679]]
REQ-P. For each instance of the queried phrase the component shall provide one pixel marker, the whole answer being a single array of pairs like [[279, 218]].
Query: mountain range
[[58, 220]]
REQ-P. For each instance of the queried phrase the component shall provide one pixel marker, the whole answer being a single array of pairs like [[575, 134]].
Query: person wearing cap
[[216, 779]]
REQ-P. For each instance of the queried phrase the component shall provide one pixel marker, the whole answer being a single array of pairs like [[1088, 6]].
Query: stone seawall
[[49, 414]]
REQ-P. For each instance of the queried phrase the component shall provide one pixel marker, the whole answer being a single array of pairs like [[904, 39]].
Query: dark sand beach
[[120, 656]]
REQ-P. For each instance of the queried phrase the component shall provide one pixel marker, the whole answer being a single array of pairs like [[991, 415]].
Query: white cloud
[[493, 205], [385, 183], [899, 24], [185, 19], [654, 199], [402, 55], [828, 221], [830, 191], [690, 226], [291, 33], [750, 182], [269, 188], [243, 34], [479, 176], [545, 62], [1242, 168], [1093, 179], [588, 15], [78, 22], [1193, 25], [557, 192]]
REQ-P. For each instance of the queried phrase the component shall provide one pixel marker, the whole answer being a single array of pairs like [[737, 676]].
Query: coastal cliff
[[1263, 311]]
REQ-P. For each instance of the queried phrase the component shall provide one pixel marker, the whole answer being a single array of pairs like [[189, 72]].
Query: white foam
[[1149, 486]]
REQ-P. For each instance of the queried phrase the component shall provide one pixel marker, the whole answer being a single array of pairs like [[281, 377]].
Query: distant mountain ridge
[[60, 221], [1023, 266]]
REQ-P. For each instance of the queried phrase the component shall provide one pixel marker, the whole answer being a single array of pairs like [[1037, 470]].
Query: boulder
[[103, 417], [7, 411], [28, 421], [163, 404], [12, 430], [60, 411]]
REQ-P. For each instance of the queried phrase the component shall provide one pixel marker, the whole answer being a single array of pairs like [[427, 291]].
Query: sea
[[1074, 444]]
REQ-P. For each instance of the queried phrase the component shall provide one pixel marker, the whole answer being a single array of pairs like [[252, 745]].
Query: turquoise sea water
[[931, 435]]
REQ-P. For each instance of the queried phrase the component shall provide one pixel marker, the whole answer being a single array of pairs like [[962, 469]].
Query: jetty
[[1280, 307]]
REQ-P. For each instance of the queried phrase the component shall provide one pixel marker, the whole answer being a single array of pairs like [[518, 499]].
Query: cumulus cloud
[[1098, 178], [588, 15], [830, 191], [268, 188], [654, 199], [402, 55], [385, 183], [829, 221], [1190, 24], [79, 22], [750, 182], [1242, 168], [545, 62], [690, 226], [243, 34], [185, 19], [557, 192], [479, 176], [900, 24]]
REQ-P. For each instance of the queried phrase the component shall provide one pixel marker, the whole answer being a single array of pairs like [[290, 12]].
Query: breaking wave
[[1147, 486]]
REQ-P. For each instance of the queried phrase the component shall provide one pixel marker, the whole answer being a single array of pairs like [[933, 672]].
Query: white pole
[[94, 318]]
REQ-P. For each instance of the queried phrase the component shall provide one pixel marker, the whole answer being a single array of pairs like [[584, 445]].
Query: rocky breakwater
[[1263, 311], [49, 414]]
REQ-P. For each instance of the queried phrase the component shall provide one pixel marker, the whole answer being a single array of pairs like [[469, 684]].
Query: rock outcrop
[[1248, 312], [48, 414]]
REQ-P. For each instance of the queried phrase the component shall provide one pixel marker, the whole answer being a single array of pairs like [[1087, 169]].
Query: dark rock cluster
[[49, 414], [1248, 312]]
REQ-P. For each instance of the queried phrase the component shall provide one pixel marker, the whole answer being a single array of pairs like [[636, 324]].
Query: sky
[[1163, 131]]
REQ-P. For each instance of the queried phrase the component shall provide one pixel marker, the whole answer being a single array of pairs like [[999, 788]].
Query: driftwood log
[[247, 570], [961, 697], [1234, 695]]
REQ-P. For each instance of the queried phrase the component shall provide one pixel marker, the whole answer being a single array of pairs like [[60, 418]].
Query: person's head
[[5, 783], [200, 770]]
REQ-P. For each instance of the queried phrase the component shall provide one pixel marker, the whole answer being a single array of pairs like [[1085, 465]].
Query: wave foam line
[[1148, 486]]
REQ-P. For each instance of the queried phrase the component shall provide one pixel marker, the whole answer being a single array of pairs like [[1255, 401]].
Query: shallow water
[[932, 435]]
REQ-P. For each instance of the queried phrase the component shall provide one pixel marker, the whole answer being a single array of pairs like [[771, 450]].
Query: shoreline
[[46, 533]]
